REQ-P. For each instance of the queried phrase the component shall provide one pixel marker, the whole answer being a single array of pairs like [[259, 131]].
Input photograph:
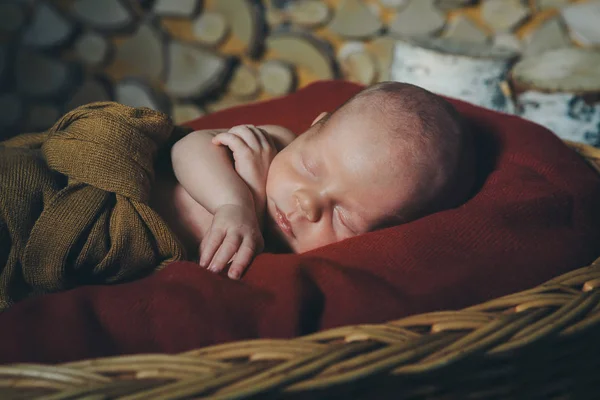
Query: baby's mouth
[[283, 222]]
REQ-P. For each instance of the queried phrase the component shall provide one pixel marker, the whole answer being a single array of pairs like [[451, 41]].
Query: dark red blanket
[[534, 217]]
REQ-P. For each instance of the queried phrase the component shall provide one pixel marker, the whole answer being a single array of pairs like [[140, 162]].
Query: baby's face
[[337, 180]]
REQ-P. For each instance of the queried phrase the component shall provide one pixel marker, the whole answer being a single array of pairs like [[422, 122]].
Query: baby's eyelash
[[308, 167], [343, 221]]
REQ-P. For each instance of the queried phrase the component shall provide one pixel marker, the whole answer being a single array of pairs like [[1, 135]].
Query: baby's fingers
[[242, 259], [234, 142], [210, 244], [228, 248]]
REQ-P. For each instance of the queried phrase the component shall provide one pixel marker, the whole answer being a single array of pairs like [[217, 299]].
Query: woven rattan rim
[[539, 343]]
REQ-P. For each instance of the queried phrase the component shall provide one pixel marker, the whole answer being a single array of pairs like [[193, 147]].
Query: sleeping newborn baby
[[391, 154]]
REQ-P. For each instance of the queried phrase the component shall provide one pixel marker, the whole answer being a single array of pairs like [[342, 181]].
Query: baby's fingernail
[[233, 274]]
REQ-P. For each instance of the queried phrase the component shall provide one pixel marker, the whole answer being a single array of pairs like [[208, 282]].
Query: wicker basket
[[540, 343]]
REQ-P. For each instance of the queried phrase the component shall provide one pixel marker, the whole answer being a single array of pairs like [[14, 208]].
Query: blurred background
[[192, 57]]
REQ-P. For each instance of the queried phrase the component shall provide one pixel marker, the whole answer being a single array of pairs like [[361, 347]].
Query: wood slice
[[464, 29], [452, 4], [136, 92], [472, 72], [177, 8], [354, 20], [224, 103], [583, 22], [244, 83], [246, 22], [93, 89], [275, 17], [105, 15], [309, 13], [560, 89], [144, 53], [48, 27], [184, 112], [193, 70], [277, 78], [541, 5], [504, 15], [303, 50], [419, 18], [12, 16], [41, 116], [397, 4], [11, 112], [507, 41], [551, 35], [94, 49], [210, 28], [356, 63], [40, 76], [382, 49]]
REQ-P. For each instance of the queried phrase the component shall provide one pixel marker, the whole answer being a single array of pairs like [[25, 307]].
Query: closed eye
[[344, 222], [308, 167]]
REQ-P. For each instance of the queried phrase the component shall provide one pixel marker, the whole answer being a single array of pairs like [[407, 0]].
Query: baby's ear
[[320, 117]]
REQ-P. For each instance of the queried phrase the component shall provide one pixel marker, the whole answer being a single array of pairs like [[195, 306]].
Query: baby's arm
[[201, 166], [238, 204], [206, 172]]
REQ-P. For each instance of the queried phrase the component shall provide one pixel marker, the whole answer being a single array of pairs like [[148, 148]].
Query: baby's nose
[[309, 205]]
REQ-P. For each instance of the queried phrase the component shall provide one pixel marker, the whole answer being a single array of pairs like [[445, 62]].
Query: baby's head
[[389, 155]]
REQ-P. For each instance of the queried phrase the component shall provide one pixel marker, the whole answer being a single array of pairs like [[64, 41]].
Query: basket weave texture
[[540, 343]]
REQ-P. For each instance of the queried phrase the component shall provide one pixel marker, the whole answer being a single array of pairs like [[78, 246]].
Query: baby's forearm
[[207, 173]]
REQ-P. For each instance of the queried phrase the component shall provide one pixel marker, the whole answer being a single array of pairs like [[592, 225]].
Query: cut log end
[[143, 53], [357, 64], [106, 15], [303, 50], [94, 49], [210, 28], [354, 20], [571, 70], [245, 21], [277, 78], [309, 13], [194, 71], [382, 50], [177, 9], [244, 83], [137, 92], [185, 112], [419, 18], [48, 28]]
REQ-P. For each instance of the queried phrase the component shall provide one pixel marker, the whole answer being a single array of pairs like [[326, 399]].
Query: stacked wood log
[[188, 57]]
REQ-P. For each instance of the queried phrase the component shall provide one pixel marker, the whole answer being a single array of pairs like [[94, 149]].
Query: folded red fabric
[[534, 216]]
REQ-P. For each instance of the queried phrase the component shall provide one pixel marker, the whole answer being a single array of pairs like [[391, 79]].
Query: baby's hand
[[253, 150], [234, 231]]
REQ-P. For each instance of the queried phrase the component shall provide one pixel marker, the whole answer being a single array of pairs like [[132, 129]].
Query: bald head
[[430, 137]]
